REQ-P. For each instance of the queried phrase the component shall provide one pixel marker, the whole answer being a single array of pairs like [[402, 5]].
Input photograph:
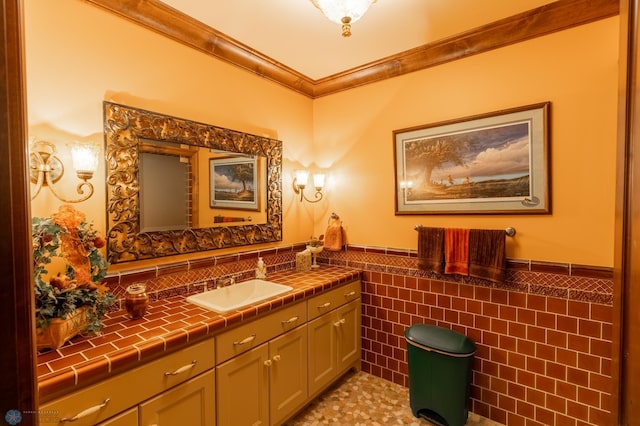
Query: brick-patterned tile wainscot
[[543, 337]]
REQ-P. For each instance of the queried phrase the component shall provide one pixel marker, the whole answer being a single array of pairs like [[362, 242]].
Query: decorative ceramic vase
[[314, 254], [60, 331], [136, 300]]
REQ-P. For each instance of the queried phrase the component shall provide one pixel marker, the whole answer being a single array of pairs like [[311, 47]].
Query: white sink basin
[[239, 295]]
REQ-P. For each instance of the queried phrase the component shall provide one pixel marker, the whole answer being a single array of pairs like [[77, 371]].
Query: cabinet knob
[[339, 323], [351, 293], [277, 358], [87, 412], [324, 305], [267, 363]]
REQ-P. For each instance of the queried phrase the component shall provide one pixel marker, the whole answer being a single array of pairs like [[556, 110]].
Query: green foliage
[[62, 295], [314, 242]]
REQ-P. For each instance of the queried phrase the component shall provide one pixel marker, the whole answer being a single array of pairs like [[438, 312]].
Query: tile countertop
[[169, 324]]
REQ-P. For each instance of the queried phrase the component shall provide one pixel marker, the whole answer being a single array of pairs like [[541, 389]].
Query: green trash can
[[440, 363]]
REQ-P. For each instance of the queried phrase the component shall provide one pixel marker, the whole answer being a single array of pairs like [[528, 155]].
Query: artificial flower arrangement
[[68, 243], [314, 242]]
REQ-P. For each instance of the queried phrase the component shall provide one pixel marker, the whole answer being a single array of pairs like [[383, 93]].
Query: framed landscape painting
[[491, 163], [234, 183]]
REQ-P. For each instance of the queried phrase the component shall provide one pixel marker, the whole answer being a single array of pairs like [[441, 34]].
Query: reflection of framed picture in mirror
[[234, 183]]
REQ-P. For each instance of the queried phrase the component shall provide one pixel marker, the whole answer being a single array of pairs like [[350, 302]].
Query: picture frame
[[234, 183], [493, 163]]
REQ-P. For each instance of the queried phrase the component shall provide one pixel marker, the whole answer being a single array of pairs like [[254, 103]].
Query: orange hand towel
[[456, 251], [333, 236]]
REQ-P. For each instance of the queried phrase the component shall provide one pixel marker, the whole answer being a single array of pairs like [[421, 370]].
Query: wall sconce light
[[46, 168], [405, 186], [300, 183]]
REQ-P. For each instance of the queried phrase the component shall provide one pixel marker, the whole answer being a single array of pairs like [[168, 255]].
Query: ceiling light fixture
[[344, 12]]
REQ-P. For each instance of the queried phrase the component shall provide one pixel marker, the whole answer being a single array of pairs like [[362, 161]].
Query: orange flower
[[68, 217], [71, 246]]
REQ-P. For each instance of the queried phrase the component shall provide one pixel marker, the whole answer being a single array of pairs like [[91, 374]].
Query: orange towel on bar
[[456, 251]]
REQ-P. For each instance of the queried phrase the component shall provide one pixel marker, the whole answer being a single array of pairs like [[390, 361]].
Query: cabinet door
[[287, 374], [322, 352], [191, 403], [348, 335], [242, 389], [128, 418]]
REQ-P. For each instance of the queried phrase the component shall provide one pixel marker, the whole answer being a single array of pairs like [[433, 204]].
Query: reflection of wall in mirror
[[164, 192], [165, 185]]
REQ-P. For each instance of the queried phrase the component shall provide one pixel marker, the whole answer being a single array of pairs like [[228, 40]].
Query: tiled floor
[[362, 399]]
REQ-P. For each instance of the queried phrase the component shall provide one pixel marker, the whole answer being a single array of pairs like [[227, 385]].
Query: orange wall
[[78, 55], [576, 70]]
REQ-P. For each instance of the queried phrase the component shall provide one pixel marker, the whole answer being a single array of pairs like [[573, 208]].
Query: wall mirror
[[176, 186]]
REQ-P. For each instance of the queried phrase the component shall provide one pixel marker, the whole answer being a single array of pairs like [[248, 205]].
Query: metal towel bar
[[510, 231]]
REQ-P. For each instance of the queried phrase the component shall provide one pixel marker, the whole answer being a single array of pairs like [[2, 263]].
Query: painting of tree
[[234, 183], [494, 162], [478, 163]]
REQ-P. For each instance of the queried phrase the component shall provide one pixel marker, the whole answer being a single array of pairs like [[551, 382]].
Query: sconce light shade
[[85, 159], [46, 168], [302, 177], [300, 183], [318, 181]]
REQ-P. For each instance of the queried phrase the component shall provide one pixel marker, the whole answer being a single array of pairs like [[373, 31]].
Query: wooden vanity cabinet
[[178, 385], [264, 371], [334, 335], [128, 418], [267, 383], [242, 386], [287, 374], [191, 403]]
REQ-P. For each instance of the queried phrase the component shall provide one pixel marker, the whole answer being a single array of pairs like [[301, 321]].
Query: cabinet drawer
[[247, 336], [112, 396], [329, 300]]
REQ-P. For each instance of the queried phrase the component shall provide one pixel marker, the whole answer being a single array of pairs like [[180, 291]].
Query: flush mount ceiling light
[[344, 12]]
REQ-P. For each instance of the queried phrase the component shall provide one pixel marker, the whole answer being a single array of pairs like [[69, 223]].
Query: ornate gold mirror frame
[[123, 128]]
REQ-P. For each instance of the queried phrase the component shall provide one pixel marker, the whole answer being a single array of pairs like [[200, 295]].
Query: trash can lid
[[439, 338]]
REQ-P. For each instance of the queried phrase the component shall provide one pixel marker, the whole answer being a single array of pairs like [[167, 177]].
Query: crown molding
[[547, 19]]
